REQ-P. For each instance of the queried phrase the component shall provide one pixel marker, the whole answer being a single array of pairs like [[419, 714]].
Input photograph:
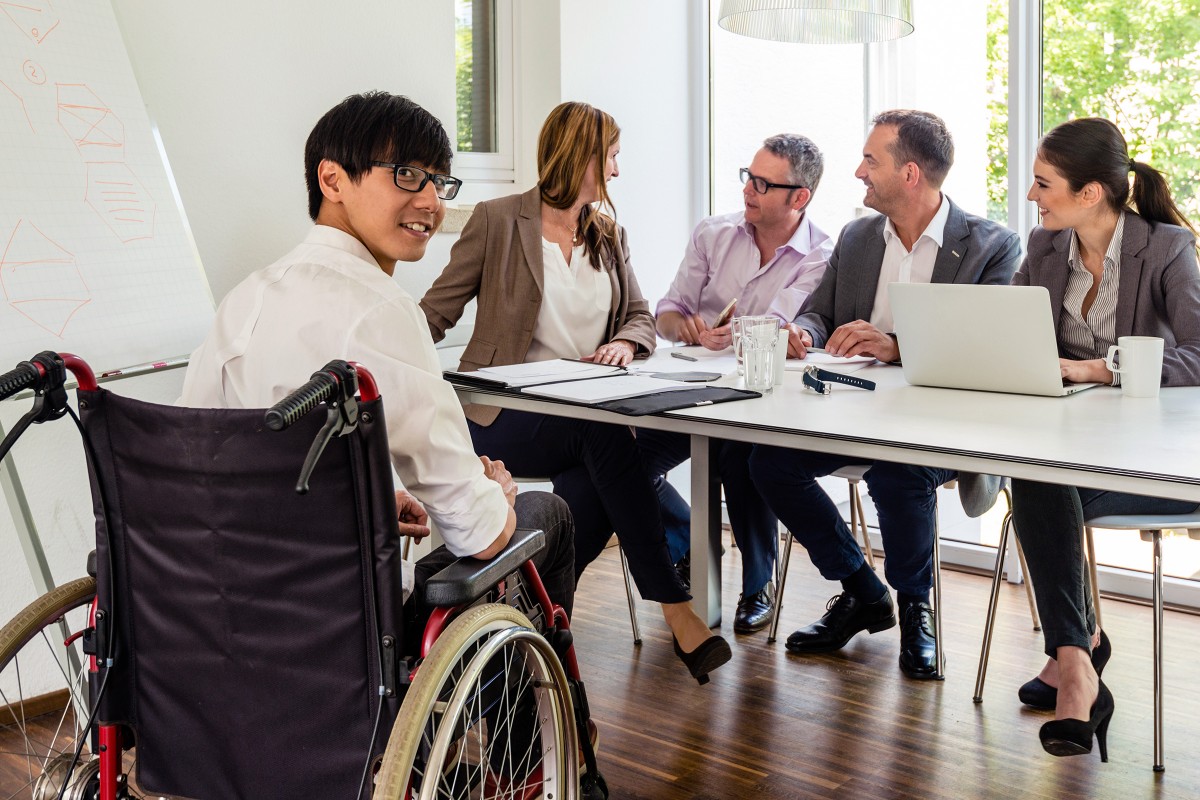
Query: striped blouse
[[1086, 338]]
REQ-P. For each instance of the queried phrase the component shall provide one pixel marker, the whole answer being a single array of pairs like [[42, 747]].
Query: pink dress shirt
[[721, 263]]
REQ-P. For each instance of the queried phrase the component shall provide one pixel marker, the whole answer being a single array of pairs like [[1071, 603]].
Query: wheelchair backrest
[[248, 618]]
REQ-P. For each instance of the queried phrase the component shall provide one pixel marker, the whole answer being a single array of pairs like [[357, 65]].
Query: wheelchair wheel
[[488, 715], [44, 697]]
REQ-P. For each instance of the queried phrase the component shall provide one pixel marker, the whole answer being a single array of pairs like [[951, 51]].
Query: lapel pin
[[955, 254]]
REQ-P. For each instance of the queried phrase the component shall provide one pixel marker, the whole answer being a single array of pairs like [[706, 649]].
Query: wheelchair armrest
[[468, 579]]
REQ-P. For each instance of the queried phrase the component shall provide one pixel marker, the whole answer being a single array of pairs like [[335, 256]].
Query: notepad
[[555, 370], [824, 360], [601, 390]]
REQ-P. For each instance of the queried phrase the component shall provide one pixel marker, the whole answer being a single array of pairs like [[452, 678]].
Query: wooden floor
[[850, 725]]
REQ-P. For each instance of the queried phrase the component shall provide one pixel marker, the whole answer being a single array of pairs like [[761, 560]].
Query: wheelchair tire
[[493, 733], [47, 735]]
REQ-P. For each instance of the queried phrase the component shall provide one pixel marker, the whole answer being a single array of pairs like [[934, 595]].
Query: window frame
[[497, 168]]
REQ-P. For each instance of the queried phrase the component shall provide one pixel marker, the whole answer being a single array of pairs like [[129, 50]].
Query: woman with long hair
[[550, 269], [1118, 260]]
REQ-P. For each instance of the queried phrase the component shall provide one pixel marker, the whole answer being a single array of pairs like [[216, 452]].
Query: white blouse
[[576, 304]]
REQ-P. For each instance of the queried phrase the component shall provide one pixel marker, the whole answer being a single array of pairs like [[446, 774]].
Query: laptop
[[987, 338]]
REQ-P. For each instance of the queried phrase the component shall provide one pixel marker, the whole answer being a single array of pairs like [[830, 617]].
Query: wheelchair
[[241, 633]]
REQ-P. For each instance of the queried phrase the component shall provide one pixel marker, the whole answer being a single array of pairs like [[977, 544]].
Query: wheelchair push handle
[[323, 386], [25, 375], [46, 372]]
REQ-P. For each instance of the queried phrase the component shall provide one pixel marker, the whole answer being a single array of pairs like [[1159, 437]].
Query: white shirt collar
[[340, 240], [935, 231]]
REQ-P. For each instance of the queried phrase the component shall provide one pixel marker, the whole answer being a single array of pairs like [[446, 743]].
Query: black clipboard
[[673, 401]]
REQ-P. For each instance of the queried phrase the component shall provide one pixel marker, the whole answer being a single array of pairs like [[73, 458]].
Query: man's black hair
[[375, 126]]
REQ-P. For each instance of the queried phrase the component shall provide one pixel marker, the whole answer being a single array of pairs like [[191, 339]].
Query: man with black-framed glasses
[[766, 259]]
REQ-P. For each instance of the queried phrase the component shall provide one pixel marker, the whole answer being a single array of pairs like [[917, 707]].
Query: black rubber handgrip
[[320, 388], [13, 381]]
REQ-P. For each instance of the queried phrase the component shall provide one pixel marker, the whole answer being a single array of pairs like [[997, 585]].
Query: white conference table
[[1096, 438]]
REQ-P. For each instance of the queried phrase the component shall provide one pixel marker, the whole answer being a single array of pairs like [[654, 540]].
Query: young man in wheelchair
[[376, 169]]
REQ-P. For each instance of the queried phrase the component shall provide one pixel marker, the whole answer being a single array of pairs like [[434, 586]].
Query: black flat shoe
[[712, 653], [846, 616], [1073, 737], [1044, 697]]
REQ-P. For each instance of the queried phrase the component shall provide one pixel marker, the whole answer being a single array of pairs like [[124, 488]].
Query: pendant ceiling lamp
[[818, 21]]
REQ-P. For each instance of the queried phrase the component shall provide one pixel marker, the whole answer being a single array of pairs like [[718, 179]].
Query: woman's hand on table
[[1091, 371], [618, 353]]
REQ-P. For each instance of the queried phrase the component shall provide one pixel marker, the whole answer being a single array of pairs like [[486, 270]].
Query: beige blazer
[[498, 258]]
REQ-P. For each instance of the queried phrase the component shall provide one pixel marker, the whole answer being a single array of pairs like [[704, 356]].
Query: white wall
[[634, 59]]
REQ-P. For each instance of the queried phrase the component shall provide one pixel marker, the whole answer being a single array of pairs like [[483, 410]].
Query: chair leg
[[985, 651], [1158, 652], [633, 615], [1091, 556], [1033, 612], [858, 522], [939, 654], [782, 560]]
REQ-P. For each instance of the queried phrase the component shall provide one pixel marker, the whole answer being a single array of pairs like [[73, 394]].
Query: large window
[[1137, 64]]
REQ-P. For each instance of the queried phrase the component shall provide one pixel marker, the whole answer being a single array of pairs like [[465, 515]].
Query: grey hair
[[806, 164]]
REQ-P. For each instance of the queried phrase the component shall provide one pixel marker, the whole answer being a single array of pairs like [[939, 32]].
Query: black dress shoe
[[683, 568], [1038, 694], [754, 612], [918, 646], [846, 616]]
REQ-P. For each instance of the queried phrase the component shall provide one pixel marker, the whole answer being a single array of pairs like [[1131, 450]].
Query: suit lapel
[[1054, 272], [1134, 239], [871, 259], [529, 228], [954, 246]]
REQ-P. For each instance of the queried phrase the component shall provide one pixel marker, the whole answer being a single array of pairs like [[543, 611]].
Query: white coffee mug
[[1138, 360]]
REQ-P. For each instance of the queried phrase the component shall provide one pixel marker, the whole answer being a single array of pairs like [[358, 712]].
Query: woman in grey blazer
[[1117, 262], [551, 273]]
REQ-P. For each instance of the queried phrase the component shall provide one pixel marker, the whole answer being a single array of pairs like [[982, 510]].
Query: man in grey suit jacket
[[918, 236]]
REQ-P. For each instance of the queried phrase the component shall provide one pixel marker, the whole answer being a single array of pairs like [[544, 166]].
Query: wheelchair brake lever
[[49, 398], [341, 418]]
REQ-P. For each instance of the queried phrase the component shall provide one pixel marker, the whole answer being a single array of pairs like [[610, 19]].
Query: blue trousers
[[596, 468], [905, 497], [754, 526], [1048, 519]]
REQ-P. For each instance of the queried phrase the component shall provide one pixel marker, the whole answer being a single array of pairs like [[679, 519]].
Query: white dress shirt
[[329, 299], [901, 265]]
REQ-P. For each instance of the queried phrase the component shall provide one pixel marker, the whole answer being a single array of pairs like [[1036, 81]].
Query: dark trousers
[[755, 528], [555, 563], [904, 496], [597, 470], [1049, 520]]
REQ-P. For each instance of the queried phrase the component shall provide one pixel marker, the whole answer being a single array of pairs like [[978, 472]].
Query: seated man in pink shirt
[[769, 258]]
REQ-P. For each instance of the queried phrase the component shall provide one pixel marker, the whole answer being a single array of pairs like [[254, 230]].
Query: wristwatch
[[819, 379]]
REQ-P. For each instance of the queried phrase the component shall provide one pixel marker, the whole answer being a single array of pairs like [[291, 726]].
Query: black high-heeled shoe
[[1073, 737], [1044, 697], [712, 653]]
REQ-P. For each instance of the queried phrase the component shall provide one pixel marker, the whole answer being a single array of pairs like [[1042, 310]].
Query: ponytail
[[1151, 197]]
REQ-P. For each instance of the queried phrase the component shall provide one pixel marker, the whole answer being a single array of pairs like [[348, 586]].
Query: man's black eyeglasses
[[762, 185], [413, 179]]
